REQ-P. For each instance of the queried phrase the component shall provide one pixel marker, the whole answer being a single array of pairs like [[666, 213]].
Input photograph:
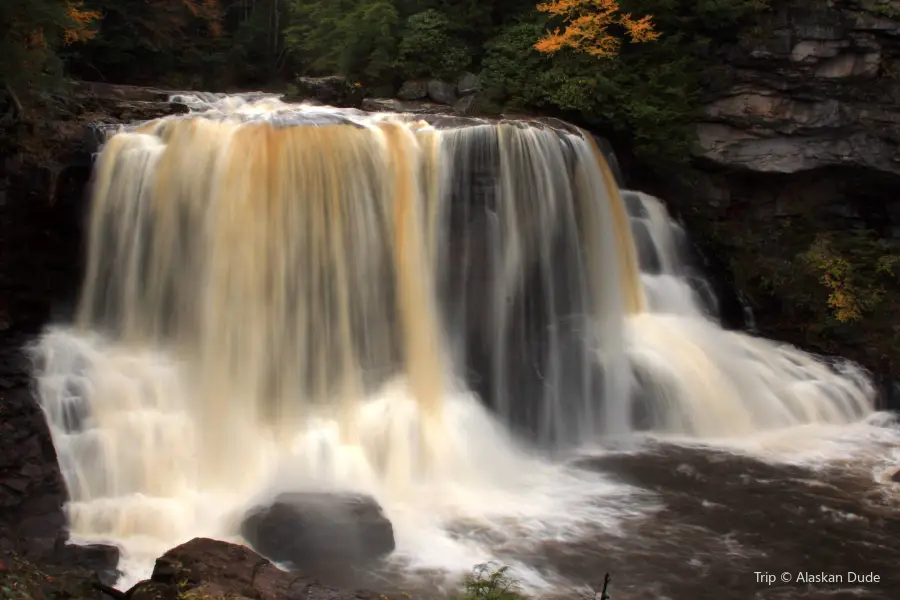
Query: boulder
[[413, 90], [465, 105], [334, 90], [315, 530], [442, 92], [468, 84], [208, 569], [95, 558]]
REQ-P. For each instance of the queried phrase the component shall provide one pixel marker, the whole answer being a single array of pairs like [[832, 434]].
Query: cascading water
[[283, 296]]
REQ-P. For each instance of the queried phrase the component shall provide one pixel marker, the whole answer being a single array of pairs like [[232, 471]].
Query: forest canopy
[[630, 68]]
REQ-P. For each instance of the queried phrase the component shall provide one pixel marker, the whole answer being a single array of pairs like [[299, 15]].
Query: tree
[[429, 46], [357, 38], [588, 24], [31, 32]]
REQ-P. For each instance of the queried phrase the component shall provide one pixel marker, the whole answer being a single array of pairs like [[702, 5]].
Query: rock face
[[32, 492], [316, 530], [43, 177], [817, 88], [801, 141]]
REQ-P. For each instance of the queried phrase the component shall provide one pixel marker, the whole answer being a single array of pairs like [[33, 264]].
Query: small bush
[[489, 582]]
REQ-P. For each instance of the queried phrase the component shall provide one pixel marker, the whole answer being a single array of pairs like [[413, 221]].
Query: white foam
[[136, 433]]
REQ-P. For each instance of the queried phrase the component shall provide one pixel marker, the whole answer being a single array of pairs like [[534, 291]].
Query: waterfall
[[380, 302]]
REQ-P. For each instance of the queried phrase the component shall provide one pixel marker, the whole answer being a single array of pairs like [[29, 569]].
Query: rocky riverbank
[[201, 569]]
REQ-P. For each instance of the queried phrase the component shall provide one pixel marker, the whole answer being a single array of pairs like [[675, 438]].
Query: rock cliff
[[813, 84], [798, 171]]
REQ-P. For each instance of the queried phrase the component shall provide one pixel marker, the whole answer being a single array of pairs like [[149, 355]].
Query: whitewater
[[454, 316]]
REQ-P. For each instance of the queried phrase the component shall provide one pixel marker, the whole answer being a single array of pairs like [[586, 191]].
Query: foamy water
[[485, 482], [286, 298]]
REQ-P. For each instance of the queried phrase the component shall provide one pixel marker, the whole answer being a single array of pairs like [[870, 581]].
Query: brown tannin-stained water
[[467, 320]]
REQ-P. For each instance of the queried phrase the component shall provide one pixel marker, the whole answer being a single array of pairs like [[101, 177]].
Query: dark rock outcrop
[[468, 84], [205, 568], [201, 569], [32, 492], [815, 88], [334, 90], [43, 180], [800, 140], [465, 105], [401, 106], [413, 90], [442, 92], [23, 579], [316, 530]]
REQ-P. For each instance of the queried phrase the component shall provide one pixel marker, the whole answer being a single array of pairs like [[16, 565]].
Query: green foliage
[[350, 37], [857, 269], [429, 46], [834, 289], [31, 33], [256, 48], [162, 42], [487, 582], [649, 94]]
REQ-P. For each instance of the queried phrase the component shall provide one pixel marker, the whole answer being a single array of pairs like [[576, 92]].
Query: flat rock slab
[[312, 530]]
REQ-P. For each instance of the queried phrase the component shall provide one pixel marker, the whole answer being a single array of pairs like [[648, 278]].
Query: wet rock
[[400, 106], [468, 84], [334, 90], [413, 90], [210, 568], [97, 558], [442, 92], [21, 578], [153, 590], [465, 105], [32, 492], [320, 530], [127, 93]]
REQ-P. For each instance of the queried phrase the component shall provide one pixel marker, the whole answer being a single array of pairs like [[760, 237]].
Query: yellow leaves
[[588, 25], [837, 276], [81, 22], [857, 271]]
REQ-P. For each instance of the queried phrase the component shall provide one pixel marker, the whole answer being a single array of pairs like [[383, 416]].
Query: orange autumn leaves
[[81, 21], [77, 26], [587, 24]]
